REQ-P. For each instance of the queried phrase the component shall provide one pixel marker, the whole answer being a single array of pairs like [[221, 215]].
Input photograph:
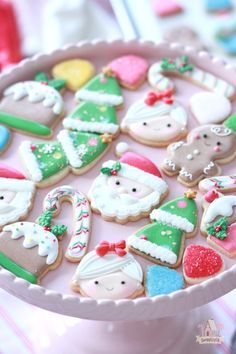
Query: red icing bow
[[165, 96], [104, 247]]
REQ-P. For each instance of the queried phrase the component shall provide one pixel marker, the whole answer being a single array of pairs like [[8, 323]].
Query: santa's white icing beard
[[111, 202]]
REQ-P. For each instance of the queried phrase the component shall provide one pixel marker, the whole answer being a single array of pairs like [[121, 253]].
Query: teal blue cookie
[[218, 5], [162, 280], [4, 137]]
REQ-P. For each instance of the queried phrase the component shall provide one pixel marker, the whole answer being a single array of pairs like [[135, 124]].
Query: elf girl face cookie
[[206, 146], [163, 241], [16, 195], [32, 106], [127, 189], [109, 272], [157, 120]]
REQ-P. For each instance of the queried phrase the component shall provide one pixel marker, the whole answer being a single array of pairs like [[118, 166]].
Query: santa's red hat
[[11, 179]]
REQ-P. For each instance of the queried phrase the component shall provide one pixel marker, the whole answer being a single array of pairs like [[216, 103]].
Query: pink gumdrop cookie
[[130, 70], [166, 7]]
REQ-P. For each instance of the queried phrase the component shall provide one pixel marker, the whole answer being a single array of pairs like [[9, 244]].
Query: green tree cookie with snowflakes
[[163, 241]]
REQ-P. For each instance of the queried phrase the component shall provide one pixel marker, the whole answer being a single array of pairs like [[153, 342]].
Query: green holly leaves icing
[[57, 84], [180, 64], [113, 171], [45, 220], [219, 228]]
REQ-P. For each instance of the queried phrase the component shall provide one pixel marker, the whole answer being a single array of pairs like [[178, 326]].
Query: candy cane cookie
[[183, 68], [223, 184], [81, 210]]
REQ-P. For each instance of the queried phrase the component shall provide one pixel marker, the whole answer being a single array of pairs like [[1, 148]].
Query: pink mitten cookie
[[128, 189], [201, 263], [33, 107], [130, 70], [109, 272], [156, 120], [206, 147]]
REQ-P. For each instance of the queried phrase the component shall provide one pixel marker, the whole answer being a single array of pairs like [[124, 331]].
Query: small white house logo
[[209, 333]]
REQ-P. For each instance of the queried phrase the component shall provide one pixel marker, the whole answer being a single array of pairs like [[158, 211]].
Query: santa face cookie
[[31, 250], [156, 121], [163, 241], [16, 195], [206, 146], [109, 272], [184, 68], [128, 189], [222, 184], [32, 107]]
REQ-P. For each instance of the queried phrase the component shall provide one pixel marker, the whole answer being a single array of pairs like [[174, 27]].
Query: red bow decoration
[[165, 96], [104, 247]]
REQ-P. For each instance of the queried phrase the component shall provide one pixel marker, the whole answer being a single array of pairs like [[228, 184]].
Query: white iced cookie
[[109, 272], [210, 107]]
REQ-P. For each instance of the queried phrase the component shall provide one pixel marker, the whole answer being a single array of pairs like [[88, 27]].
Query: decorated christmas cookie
[[206, 147], [103, 89], [31, 250], [218, 6], [166, 8], [222, 184], [163, 241], [184, 68], [16, 195], [109, 272], [33, 107], [201, 263], [130, 70], [128, 189], [76, 72], [156, 120], [81, 218], [210, 107], [160, 280], [5, 138]]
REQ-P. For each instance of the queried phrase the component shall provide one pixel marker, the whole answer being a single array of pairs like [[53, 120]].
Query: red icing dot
[[201, 262], [182, 204], [211, 196], [113, 172], [33, 147]]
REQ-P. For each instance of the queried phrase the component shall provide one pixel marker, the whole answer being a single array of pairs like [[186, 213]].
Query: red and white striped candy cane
[[81, 210]]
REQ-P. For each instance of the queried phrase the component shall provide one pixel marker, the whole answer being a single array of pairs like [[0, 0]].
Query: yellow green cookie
[[76, 72]]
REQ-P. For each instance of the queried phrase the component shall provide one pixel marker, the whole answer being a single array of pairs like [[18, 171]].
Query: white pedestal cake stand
[[163, 324]]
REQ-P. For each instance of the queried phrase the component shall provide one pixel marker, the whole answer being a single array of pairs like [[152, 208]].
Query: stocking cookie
[[16, 195], [31, 250], [33, 107], [183, 68], [201, 263], [76, 72], [156, 120], [81, 215], [128, 189], [109, 272], [5, 138], [206, 147], [163, 241], [103, 89], [130, 70], [223, 184]]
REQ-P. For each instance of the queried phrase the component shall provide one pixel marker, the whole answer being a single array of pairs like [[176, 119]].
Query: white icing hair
[[140, 111], [220, 130], [94, 266]]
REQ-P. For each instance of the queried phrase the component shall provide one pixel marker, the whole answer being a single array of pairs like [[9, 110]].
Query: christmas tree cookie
[[33, 107], [163, 241]]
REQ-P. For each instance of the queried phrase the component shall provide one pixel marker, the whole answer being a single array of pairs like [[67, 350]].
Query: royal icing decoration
[[227, 244], [163, 240], [109, 272], [221, 183], [156, 120], [76, 72], [206, 146], [200, 263], [220, 207], [129, 70], [81, 214], [162, 280], [126, 189], [32, 106], [4, 138], [183, 67], [210, 107]]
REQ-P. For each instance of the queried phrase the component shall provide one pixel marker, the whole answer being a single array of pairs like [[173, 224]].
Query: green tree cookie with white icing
[[163, 241]]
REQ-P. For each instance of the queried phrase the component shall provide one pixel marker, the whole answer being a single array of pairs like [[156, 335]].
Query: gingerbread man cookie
[[206, 147]]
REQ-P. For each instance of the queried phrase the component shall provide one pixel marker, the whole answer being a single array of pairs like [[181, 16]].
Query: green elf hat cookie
[[92, 118], [163, 240], [231, 122], [102, 89]]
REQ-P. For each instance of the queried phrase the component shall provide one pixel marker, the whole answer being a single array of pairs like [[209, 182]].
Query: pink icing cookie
[[130, 70], [109, 272], [166, 8]]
